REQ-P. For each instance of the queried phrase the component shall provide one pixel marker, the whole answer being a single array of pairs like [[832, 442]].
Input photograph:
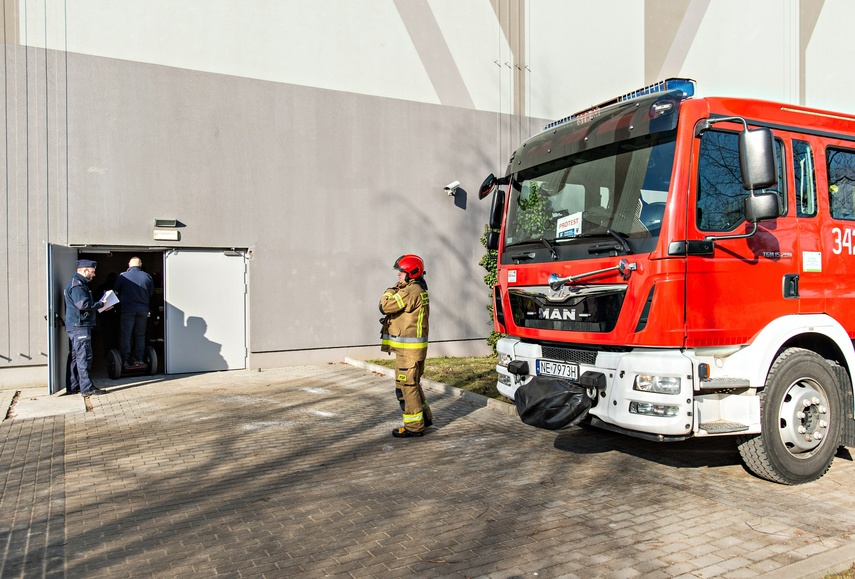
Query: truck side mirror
[[757, 159], [493, 240], [487, 186], [497, 210], [761, 207]]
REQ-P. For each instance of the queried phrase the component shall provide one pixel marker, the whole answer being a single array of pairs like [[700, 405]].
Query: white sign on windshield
[[570, 226]]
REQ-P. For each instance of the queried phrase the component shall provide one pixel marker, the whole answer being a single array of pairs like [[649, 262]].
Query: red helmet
[[410, 264]]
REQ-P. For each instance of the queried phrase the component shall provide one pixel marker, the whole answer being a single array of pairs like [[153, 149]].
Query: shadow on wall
[[190, 349], [460, 197]]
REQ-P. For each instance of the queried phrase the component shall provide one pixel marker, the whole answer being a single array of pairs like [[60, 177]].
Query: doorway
[[204, 290]]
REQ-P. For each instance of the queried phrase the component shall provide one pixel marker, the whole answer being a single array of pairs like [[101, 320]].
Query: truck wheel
[[801, 420]]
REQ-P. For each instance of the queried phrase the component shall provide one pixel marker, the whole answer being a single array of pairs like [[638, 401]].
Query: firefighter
[[405, 332]]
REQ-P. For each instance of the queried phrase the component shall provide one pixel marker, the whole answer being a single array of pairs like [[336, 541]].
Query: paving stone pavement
[[293, 473]]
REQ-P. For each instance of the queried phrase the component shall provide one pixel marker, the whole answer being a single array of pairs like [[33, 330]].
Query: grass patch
[[476, 375], [848, 574]]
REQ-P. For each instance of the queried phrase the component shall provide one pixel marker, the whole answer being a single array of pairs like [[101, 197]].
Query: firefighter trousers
[[408, 391]]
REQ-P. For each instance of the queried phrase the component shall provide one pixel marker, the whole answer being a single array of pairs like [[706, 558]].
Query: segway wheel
[[114, 364], [151, 357]]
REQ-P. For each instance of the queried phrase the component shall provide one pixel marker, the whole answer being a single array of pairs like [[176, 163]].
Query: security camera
[[451, 188]]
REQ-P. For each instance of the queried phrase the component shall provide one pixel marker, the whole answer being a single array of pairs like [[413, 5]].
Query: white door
[[205, 310], [61, 265]]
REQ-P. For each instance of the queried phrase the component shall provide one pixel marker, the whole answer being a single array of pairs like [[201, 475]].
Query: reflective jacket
[[407, 308], [80, 307]]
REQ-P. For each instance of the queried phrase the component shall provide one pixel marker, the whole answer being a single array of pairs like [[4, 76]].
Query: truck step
[[722, 426], [723, 383]]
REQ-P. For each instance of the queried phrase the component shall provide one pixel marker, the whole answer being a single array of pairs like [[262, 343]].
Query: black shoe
[[404, 433], [95, 392]]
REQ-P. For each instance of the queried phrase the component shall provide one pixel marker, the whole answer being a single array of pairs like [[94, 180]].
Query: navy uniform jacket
[[80, 307], [135, 288]]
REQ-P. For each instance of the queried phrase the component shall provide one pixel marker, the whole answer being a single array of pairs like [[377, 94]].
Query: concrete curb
[[816, 566], [6, 397], [476, 399]]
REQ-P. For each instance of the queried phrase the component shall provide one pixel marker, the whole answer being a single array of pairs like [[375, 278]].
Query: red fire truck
[[671, 266]]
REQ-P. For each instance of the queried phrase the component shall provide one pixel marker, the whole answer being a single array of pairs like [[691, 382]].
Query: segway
[[115, 369]]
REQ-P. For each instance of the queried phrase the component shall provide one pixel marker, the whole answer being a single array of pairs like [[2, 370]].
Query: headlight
[[648, 409], [505, 379], [657, 384], [505, 359]]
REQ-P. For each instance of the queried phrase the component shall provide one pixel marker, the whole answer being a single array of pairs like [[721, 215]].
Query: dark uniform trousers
[[81, 358]]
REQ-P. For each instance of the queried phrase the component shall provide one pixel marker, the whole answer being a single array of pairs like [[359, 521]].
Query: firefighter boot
[[404, 433]]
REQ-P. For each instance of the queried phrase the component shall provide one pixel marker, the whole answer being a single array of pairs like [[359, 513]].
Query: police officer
[[80, 311], [405, 332]]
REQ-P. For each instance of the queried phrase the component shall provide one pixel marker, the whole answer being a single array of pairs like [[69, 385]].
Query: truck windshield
[[619, 188]]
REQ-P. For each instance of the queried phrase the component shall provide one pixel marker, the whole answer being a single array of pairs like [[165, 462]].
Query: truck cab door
[[812, 284], [738, 287]]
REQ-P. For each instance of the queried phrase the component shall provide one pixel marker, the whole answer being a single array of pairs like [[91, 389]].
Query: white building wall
[[581, 53], [829, 54]]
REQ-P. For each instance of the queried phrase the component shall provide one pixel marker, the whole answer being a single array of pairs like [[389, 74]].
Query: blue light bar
[[684, 84]]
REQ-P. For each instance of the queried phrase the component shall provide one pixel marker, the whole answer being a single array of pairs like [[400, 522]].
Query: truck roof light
[[684, 84]]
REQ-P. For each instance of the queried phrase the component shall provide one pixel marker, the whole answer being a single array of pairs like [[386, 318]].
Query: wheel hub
[[803, 417]]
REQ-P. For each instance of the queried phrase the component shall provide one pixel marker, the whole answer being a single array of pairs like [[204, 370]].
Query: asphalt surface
[[293, 473]]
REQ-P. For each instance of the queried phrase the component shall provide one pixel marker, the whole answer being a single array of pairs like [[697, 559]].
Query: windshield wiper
[[551, 247], [623, 244], [621, 238], [541, 240]]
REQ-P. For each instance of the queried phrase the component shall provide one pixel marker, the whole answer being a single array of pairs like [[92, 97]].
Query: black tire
[[114, 364], [151, 359], [801, 417]]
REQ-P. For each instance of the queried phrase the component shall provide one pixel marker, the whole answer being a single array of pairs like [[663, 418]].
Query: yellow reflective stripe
[[404, 345], [413, 417], [402, 338], [421, 321], [397, 299]]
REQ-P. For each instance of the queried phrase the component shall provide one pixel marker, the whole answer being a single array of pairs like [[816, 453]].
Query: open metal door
[[205, 309], [61, 265]]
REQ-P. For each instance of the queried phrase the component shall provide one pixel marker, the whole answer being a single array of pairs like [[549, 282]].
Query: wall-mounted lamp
[[167, 234], [451, 188]]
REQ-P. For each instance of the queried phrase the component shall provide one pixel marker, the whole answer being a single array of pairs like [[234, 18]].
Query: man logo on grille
[[557, 314]]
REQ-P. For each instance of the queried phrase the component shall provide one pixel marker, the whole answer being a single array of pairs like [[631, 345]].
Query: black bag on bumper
[[551, 403]]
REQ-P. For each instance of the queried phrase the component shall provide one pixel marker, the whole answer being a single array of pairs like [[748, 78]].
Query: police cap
[[81, 263]]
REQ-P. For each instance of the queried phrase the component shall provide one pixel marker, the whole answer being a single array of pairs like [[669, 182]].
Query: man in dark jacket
[[80, 312], [135, 288]]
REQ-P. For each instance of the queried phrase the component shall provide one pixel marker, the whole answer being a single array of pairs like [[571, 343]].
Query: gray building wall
[[318, 136], [326, 189]]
